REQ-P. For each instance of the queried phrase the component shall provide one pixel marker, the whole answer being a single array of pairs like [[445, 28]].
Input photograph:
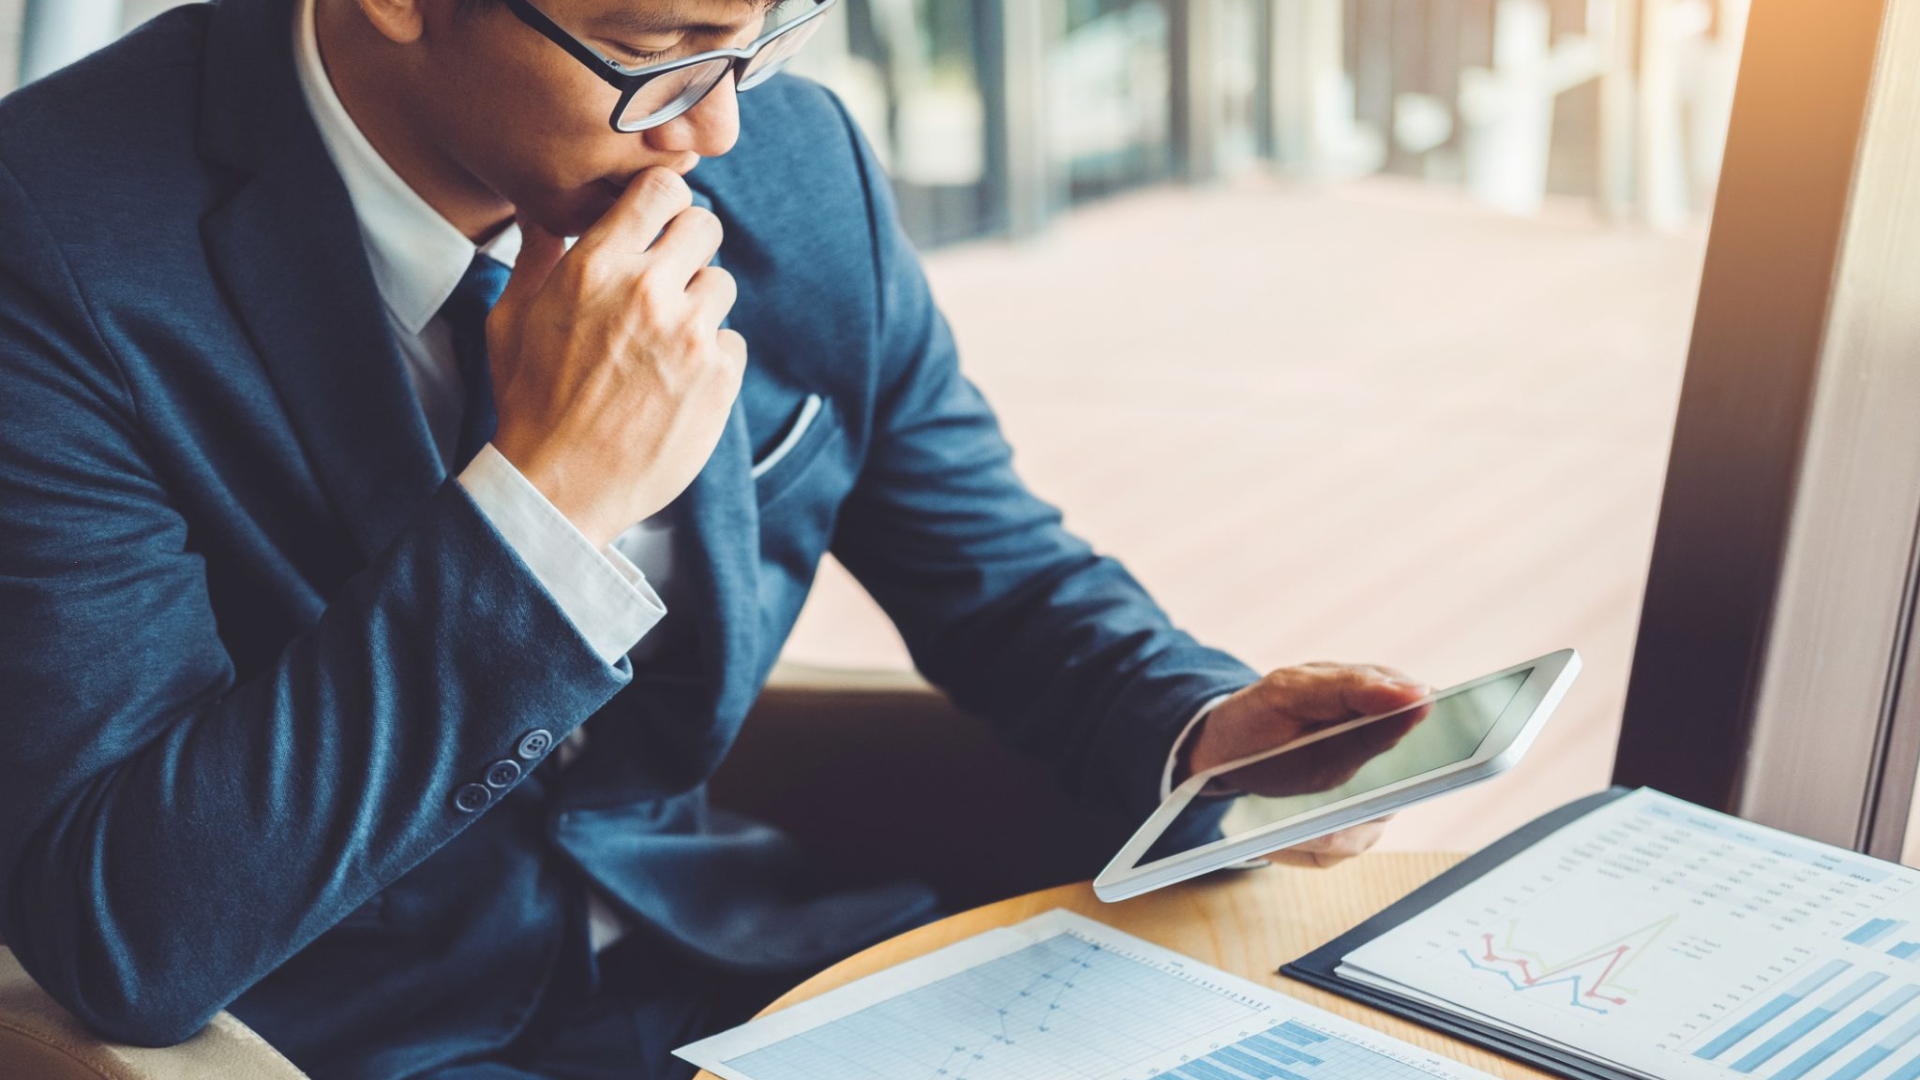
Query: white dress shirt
[[418, 258]]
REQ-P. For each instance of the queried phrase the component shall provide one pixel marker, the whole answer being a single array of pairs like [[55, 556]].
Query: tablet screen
[[1349, 764]]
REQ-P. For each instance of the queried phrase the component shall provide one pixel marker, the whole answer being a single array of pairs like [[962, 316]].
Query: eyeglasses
[[651, 96]]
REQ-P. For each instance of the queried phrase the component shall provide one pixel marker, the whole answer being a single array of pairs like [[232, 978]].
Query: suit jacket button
[[502, 774], [472, 798], [534, 743]]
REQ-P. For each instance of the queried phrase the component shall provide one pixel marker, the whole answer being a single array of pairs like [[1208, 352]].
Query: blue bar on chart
[[1811, 1020], [1765, 1014], [1874, 930], [1852, 1032], [1293, 1051], [1905, 950], [1297, 1034], [1887, 1046]]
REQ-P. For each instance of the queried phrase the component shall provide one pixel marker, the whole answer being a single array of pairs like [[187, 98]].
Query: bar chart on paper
[[1673, 942], [1060, 998], [1756, 1041]]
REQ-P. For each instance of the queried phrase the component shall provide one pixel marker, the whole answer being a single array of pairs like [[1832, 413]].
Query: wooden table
[[1248, 923]]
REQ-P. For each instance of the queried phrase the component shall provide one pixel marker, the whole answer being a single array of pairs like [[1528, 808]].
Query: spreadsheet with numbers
[[1060, 997]]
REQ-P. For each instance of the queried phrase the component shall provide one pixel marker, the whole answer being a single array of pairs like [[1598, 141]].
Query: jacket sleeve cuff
[[601, 592], [1180, 747]]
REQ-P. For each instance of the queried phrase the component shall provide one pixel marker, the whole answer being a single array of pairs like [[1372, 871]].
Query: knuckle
[[664, 185], [730, 361], [701, 219], [690, 342], [656, 287], [597, 273]]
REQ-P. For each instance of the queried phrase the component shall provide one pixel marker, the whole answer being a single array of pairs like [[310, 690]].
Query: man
[[370, 621]]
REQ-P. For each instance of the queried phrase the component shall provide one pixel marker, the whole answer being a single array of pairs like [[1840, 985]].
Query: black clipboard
[[1318, 967]]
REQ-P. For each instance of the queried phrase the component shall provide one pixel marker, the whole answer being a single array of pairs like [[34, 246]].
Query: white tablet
[[1452, 738]]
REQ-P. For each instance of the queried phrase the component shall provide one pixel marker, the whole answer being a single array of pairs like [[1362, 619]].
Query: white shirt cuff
[[1173, 763], [603, 594], [1180, 745], [605, 926]]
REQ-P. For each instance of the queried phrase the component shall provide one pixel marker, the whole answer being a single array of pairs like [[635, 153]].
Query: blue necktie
[[466, 313]]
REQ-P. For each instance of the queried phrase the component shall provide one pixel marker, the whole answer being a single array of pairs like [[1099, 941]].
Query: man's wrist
[[1183, 767], [1179, 767], [599, 590], [550, 480]]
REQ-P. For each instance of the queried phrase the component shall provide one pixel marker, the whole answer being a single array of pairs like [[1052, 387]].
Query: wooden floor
[[1369, 423]]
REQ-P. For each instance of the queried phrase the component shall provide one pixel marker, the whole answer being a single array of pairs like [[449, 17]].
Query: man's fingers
[[654, 197], [1375, 689], [686, 246], [1372, 740], [1376, 698], [1327, 693], [1312, 694], [713, 290], [734, 347], [540, 252]]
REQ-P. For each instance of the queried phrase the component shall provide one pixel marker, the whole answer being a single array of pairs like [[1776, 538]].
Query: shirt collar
[[418, 257]]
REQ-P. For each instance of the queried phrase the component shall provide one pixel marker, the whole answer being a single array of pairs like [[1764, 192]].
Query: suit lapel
[[721, 554], [286, 247]]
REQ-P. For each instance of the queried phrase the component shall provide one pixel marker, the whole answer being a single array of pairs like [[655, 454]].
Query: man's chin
[[594, 203], [576, 214]]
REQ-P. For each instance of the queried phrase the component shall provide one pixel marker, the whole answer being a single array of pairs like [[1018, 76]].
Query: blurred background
[[1354, 327]]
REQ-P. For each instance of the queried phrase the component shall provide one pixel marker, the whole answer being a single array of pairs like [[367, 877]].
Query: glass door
[[1110, 88]]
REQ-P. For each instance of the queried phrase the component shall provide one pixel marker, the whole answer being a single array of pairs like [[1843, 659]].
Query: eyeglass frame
[[629, 81]]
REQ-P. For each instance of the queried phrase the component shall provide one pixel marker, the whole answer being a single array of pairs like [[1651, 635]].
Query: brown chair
[[822, 750]]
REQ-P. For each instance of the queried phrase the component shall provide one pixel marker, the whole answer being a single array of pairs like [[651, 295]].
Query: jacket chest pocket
[[813, 427]]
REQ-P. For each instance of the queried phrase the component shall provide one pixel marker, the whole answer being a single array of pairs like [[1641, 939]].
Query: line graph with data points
[[1586, 978]]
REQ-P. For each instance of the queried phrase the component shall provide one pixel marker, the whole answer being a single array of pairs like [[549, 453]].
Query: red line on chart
[[1528, 978]]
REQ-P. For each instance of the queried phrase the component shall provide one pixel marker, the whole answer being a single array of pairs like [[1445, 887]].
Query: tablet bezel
[[1503, 746]]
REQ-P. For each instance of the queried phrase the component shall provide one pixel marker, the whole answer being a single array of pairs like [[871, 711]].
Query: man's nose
[[709, 129]]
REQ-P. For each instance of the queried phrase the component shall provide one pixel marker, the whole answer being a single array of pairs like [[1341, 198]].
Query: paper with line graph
[[1681, 944], [1060, 997]]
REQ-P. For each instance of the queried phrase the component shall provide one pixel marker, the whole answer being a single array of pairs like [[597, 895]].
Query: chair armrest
[[39, 1039], [880, 775]]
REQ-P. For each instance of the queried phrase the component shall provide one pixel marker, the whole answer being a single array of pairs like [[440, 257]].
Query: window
[[1400, 385]]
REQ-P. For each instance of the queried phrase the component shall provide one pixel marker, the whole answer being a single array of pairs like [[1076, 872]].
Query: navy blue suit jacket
[[253, 639]]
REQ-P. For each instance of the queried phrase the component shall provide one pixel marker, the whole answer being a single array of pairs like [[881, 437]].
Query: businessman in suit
[[410, 467]]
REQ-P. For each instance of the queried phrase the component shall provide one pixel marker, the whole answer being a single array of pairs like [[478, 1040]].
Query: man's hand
[[1295, 702], [612, 379]]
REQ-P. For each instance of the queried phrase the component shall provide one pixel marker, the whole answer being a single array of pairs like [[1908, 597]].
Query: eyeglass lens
[[666, 97], [768, 62], [671, 94]]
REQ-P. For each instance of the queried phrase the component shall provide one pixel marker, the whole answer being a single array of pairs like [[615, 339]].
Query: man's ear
[[399, 21]]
